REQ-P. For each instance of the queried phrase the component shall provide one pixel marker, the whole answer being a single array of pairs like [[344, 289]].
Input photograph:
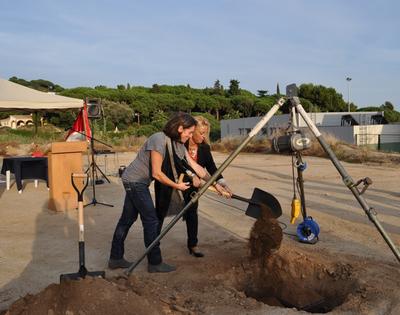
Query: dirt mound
[[226, 282], [87, 296]]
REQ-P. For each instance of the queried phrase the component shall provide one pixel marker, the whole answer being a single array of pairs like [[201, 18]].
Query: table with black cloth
[[24, 167]]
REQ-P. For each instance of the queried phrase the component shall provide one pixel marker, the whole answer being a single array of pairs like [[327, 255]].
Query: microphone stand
[[93, 167]]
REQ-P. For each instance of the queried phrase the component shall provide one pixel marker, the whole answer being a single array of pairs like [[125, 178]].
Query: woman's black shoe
[[192, 251]]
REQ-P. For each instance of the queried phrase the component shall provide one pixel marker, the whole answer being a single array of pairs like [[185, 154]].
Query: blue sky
[[260, 43]]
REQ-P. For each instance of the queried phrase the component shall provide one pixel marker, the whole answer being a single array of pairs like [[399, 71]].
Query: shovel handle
[[224, 193], [213, 189], [80, 204], [79, 192]]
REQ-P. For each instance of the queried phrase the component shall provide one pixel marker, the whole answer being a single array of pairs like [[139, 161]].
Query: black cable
[[224, 203]]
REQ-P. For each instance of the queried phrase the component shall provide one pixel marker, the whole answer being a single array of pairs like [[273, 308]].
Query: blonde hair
[[203, 122]]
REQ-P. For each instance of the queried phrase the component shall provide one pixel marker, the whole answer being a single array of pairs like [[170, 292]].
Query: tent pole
[[36, 122]]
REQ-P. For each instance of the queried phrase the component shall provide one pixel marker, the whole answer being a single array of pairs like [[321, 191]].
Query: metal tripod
[[92, 169], [348, 181]]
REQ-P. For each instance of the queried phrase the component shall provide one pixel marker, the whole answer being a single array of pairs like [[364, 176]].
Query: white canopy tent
[[18, 97]]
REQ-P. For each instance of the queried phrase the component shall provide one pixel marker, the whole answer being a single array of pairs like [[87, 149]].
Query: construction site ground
[[350, 270]]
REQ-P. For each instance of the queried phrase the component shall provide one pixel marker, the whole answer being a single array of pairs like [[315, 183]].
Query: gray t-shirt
[[139, 170]]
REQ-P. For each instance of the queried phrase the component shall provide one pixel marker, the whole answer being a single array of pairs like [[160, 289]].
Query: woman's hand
[[227, 189], [196, 181], [182, 186], [222, 191], [225, 186]]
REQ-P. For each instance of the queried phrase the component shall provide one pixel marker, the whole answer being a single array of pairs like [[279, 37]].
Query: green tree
[[243, 104], [390, 113], [223, 105], [262, 93], [234, 87], [120, 114], [263, 105], [233, 114], [326, 99], [159, 119], [62, 119], [155, 88], [218, 89], [388, 106], [19, 81]]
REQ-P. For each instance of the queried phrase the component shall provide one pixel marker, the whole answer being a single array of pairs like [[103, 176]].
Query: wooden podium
[[64, 159]]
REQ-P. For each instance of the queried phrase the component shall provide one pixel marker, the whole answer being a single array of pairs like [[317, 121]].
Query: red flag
[[81, 127]]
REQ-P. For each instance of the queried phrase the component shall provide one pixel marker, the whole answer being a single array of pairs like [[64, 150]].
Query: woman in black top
[[200, 151]]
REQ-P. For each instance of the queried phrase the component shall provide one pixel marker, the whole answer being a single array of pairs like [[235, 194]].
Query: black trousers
[[192, 225]]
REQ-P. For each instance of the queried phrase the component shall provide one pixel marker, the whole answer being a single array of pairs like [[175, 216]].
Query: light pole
[[135, 114], [348, 79]]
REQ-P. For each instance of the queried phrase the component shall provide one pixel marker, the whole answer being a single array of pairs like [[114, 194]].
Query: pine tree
[[234, 87], [262, 93]]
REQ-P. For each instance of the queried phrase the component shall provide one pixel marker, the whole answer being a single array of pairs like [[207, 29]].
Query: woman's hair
[[203, 122], [179, 119]]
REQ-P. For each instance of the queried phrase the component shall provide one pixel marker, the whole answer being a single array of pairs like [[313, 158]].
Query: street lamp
[[136, 114], [348, 79]]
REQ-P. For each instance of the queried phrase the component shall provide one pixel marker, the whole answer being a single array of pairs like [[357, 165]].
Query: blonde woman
[[199, 150]]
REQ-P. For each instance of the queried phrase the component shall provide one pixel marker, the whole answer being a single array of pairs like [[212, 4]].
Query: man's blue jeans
[[137, 201]]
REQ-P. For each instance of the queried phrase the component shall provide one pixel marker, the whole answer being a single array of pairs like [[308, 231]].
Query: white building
[[360, 128], [15, 121]]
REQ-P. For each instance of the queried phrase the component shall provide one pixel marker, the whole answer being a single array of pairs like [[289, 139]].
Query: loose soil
[[291, 279], [239, 279]]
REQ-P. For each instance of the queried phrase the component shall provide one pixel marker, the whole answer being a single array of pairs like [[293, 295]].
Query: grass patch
[[27, 135], [24, 141], [344, 151]]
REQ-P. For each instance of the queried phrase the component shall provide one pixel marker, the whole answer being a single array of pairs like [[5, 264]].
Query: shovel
[[259, 200], [83, 272]]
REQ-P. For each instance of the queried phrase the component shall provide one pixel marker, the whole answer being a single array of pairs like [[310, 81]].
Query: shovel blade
[[262, 198], [80, 275]]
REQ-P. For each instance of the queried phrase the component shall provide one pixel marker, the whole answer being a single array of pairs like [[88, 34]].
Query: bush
[[146, 130]]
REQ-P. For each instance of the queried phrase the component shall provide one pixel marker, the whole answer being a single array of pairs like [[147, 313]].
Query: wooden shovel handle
[[224, 193], [80, 175]]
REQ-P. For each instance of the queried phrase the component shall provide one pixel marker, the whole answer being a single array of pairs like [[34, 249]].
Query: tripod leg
[[101, 172], [348, 181]]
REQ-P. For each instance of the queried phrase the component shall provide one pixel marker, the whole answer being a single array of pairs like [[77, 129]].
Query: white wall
[[326, 122]]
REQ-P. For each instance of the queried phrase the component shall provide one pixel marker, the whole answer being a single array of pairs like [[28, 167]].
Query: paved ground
[[37, 245]]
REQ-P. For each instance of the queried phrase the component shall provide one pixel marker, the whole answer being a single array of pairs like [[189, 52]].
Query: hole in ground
[[297, 281]]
